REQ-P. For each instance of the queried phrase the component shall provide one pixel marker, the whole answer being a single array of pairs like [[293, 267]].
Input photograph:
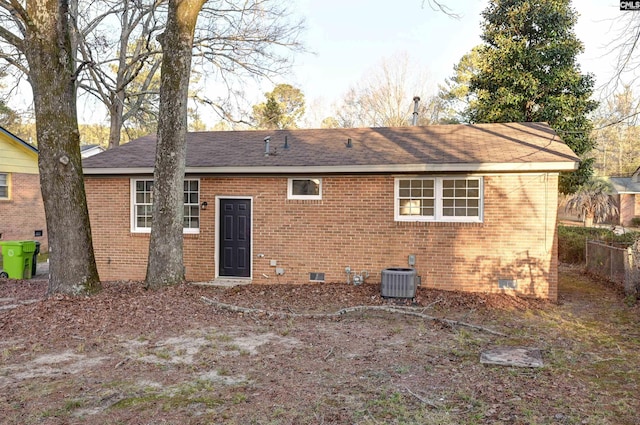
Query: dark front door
[[235, 237]]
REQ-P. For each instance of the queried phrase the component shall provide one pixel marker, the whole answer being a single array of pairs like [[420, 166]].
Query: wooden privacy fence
[[619, 265]]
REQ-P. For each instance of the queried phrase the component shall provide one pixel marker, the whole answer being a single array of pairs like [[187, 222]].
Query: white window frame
[[133, 205], [438, 201], [290, 194], [7, 185]]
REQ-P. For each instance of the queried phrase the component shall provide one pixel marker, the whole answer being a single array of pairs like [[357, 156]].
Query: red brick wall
[[629, 207], [353, 225], [23, 213]]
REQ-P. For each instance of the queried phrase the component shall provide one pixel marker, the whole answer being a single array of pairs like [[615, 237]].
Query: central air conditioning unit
[[399, 282]]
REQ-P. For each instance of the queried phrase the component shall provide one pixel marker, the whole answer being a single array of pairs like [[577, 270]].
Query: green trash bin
[[17, 258]]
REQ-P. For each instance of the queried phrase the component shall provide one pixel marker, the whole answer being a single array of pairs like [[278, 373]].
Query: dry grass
[[133, 357]]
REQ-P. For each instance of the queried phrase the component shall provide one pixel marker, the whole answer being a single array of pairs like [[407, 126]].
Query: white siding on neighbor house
[[16, 158]]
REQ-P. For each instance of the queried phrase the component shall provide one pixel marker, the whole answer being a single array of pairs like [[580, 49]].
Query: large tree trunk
[[48, 50], [165, 265]]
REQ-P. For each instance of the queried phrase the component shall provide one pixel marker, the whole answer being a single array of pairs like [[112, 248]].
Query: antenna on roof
[[416, 101]]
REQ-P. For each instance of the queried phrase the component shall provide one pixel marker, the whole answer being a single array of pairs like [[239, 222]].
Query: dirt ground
[[130, 356]]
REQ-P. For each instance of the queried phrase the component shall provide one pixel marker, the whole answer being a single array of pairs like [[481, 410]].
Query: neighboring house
[[627, 195], [89, 150], [21, 207], [475, 205]]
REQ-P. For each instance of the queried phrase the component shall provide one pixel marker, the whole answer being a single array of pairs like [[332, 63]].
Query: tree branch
[[347, 310]]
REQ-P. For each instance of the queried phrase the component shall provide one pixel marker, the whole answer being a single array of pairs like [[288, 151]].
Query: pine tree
[[528, 72]]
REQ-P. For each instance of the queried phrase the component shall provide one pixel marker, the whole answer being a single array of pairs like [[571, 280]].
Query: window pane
[[193, 186], [306, 187], [416, 197], [149, 185], [193, 198], [4, 192], [454, 198]]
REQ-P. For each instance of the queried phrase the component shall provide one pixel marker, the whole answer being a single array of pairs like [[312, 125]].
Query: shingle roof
[[624, 185], [512, 146]]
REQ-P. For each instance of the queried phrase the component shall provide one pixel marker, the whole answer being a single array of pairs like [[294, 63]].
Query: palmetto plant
[[593, 202]]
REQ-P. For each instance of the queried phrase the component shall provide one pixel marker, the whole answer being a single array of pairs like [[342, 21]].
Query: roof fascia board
[[387, 168]]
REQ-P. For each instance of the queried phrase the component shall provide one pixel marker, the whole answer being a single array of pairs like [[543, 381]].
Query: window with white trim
[[142, 206], [439, 199], [304, 188], [4, 186]]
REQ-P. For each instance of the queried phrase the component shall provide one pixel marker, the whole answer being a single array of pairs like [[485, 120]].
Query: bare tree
[[165, 265], [240, 40], [122, 66], [618, 137], [235, 39], [41, 34], [624, 48], [384, 98]]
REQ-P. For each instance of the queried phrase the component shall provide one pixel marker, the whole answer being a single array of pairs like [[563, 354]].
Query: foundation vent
[[399, 283], [507, 284]]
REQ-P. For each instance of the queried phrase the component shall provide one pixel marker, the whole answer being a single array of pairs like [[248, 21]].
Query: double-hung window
[[439, 199], [142, 206], [4, 186]]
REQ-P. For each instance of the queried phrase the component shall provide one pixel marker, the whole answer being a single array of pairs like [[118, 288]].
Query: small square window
[[304, 188]]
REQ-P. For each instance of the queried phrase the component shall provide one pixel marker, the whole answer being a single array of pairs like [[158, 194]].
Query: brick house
[[21, 207], [627, 196], [475, 205]]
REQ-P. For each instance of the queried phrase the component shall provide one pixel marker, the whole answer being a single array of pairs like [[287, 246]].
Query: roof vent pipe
[[266, 145], [416, 101], [349, 144], [286, 142]]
